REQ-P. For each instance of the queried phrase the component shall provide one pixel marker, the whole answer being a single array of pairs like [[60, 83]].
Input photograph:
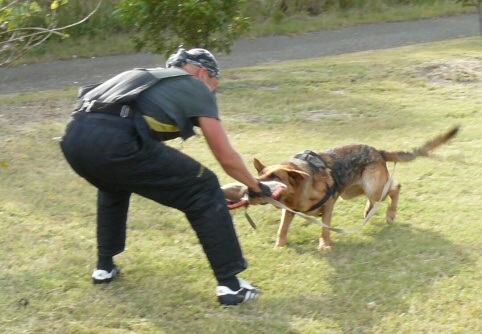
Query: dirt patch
[[13, 117], [318, 114], [453, 71], [245, 118]]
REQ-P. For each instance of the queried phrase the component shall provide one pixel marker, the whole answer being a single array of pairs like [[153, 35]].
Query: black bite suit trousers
[[118, 156]]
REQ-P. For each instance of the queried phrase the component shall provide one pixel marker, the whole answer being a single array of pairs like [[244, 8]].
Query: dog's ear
[[297, 174], [258, 165], [325, 173]]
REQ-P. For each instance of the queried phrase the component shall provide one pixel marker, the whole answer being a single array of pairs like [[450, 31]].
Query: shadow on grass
[[376, 278], [372, 275], [368, 280]]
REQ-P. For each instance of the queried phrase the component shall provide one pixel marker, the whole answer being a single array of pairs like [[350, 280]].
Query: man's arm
[[226, 155]]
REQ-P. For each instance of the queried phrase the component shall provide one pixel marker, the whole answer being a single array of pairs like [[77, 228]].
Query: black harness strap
[[116, 109], [331, 192], [317, 163]]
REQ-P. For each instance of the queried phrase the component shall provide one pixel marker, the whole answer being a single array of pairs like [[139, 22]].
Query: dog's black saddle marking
[[317, 163]]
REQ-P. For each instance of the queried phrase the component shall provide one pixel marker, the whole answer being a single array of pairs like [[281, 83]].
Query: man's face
[[203, 75]]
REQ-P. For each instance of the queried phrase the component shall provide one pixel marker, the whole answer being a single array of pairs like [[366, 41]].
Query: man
[[115, 141]]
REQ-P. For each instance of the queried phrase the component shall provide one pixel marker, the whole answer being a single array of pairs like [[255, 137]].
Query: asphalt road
[[246, 52]]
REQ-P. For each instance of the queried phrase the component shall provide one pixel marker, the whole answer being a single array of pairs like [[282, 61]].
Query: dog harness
[[317, 163]]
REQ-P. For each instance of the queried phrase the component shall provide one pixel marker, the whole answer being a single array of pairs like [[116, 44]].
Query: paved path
[[246, 52]]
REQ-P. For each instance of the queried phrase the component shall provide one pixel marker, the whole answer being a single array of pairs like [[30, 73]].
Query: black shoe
[[100, 276], [228, 297]]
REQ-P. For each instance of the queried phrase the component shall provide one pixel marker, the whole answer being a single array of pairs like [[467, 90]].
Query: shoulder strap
[[162, 73], [126, 86]]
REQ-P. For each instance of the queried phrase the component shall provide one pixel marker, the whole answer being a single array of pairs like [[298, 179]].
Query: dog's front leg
[[286, 219], [326, 213]]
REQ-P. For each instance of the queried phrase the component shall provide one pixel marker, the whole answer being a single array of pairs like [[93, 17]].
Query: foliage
[[316, 7], [27, 24], [165, 25], [24, 25], [103, 23], [469, 2]]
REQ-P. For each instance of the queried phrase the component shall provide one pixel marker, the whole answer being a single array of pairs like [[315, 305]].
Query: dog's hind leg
[[374, 180], [393, 194], [286, 219], [368, 207]]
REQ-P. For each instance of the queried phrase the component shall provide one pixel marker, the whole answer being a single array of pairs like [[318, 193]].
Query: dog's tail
[[422, 151]]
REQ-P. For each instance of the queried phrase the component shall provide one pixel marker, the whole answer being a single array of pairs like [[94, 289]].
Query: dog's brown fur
[[357, 169]]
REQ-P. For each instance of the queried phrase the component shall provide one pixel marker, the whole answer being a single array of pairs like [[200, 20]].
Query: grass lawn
[[422, 274]]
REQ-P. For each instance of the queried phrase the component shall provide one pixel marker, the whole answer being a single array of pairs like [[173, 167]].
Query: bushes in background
[[105, 21]]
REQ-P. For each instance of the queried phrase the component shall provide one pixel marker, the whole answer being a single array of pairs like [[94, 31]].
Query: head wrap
[[198, 57]]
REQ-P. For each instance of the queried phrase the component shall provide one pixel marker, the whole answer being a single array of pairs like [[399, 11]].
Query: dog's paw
[[325, 248], [390, 217], [280, 244]]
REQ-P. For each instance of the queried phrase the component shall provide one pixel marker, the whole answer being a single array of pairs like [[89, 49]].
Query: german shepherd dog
[[315, 180]]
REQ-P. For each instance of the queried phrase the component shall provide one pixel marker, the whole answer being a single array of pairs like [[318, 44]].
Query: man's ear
[[258, 165]]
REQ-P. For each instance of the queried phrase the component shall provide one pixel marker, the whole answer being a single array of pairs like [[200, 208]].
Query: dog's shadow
[[380, 275]]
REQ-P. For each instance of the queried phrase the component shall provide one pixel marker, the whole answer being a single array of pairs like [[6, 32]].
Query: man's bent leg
[[112, 210], [178, 181], [212, 222]]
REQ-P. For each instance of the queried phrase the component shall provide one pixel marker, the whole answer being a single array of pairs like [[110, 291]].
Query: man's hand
[[265, 191]]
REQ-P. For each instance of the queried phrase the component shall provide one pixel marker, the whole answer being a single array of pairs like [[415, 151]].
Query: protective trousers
[[119, 157]]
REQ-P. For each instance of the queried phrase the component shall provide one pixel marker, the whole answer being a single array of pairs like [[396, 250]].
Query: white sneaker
[[100, 276], [227, 297]]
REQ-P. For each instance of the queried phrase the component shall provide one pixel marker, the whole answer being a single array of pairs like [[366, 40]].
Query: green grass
[[422, 274], [372, 12]]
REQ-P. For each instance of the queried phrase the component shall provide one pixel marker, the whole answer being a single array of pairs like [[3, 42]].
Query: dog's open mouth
[[236, 194], [278, 193]]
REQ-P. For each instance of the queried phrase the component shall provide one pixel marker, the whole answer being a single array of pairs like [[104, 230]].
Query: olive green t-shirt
[[172, 105]]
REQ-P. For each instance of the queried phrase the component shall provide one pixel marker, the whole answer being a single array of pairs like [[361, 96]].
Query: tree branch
[[9, 5], [30, 37]]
